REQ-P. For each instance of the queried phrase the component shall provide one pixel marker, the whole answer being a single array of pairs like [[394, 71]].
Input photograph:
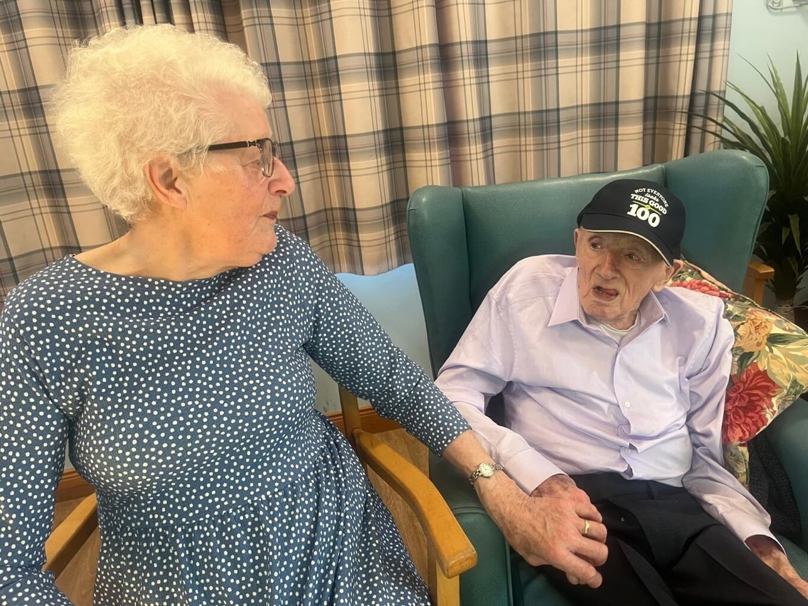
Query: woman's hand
[[564, 487], [543, 529], [548, 529]]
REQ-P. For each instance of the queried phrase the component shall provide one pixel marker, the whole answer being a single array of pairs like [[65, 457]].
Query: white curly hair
[[137, 92]]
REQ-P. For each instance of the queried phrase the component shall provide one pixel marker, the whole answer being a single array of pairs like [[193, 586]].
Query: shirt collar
[[567, 307]]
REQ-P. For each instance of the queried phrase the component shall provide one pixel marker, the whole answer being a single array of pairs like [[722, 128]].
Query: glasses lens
[[267, 157]]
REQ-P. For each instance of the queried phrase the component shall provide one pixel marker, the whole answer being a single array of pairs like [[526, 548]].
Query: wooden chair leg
[[757, 275], [443, 591], [70, 535]]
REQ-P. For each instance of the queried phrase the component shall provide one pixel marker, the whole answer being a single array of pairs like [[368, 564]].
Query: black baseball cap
[[642, 208]]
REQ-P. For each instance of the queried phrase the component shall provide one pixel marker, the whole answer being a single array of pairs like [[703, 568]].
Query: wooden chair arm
[[453, 550], [68, 537], [354, 418], [757, 274]]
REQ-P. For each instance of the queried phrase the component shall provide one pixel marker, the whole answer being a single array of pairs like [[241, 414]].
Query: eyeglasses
[[267, 147]]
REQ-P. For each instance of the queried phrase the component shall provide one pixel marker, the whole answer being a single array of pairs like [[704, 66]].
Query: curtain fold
[[375, 99]]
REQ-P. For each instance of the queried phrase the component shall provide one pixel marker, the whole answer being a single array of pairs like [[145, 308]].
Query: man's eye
[[634, 258], [595, 245]]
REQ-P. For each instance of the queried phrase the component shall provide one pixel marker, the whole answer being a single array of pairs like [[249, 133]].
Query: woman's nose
[[280, 183]]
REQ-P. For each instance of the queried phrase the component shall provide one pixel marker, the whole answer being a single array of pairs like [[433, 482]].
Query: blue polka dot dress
[[189, 407]]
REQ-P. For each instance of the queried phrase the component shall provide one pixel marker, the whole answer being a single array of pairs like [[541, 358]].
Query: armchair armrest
[[489, 583], [757, 274], [787, 434], [453, 551], [68, 537]]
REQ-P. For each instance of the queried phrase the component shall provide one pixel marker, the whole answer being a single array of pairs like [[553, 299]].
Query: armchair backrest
[[464, 239]]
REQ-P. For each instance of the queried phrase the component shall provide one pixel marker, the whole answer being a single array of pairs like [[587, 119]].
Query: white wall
[[759, 34]]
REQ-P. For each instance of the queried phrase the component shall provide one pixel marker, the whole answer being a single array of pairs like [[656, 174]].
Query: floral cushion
[[769, 366]]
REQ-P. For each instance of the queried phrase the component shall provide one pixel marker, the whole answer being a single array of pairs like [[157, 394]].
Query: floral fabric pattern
[[769, 366]]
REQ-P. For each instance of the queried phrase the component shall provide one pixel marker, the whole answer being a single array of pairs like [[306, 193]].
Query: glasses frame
[[267, 166]]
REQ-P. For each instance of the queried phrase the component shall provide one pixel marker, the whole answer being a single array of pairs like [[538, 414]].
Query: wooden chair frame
[[450, 553]]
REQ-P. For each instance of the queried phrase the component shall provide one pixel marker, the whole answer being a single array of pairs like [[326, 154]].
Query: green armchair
[[464, 239]]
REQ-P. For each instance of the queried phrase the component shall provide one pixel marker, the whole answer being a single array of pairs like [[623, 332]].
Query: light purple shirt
[[578, 401]]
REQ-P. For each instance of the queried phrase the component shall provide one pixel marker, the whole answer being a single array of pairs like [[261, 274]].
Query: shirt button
[[627, 404]]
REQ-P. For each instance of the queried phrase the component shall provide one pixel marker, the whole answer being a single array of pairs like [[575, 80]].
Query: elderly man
[[613, 387]]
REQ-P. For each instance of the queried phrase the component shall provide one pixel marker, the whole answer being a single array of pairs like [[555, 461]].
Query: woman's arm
[[543, 530], [33, 433]]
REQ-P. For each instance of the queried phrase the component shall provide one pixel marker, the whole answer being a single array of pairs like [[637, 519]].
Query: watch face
[[486, 470]]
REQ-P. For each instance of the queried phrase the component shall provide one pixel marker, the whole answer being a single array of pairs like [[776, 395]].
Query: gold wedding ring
[[585, 531]]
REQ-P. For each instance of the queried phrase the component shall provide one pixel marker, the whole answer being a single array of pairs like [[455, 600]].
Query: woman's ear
[[166, 182]]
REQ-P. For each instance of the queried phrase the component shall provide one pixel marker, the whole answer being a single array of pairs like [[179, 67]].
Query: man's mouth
[[605, 294]]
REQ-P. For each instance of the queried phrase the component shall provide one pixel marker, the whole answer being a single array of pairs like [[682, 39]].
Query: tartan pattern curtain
[[373, 99]]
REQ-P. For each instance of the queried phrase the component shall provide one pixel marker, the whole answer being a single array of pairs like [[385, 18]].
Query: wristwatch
[[484, 470]]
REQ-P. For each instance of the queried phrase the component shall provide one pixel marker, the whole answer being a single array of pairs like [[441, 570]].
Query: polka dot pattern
[[189, 406]]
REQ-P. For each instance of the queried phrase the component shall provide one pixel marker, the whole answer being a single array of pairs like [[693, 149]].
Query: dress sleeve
[[348, 343], [33, 433], [720, 493]]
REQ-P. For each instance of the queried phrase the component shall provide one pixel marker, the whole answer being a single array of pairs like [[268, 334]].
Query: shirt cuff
[[744, 529], [528, 469]]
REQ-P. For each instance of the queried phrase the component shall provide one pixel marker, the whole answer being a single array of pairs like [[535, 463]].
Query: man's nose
[[608, 265]]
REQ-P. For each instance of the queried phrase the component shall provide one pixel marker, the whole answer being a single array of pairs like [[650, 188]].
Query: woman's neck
[[151, 250]]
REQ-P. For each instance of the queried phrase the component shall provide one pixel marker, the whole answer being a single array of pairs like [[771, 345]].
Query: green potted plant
[[781, 142]]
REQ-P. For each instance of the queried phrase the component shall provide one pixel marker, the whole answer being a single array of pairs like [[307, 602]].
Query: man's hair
[[137, 92]]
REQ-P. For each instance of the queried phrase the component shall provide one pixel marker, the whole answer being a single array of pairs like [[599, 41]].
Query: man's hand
[[768, 551], [548, 529]]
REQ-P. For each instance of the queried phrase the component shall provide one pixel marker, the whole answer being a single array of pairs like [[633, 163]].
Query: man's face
[[615, 273]]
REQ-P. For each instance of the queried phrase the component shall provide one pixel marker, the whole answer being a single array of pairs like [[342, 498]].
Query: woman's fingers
[[579, 570], [593, 551], [587, 511], [594, 530]]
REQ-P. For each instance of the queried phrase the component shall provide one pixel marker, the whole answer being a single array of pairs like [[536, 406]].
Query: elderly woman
[[174, 360]]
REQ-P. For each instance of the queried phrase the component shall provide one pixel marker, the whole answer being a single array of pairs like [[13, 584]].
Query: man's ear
[[670, 271], [575, 236], [166, 182]]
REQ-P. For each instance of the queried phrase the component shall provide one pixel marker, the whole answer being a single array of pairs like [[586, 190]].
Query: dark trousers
[[664, 549]]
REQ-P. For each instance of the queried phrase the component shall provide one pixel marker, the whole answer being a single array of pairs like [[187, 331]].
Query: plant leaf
[[794, 220]]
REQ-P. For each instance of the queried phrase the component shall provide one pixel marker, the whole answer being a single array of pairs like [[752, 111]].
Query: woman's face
[[232, 207]]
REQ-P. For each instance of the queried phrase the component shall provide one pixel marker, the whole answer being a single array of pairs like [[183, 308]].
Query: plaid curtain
[[373, 99]]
